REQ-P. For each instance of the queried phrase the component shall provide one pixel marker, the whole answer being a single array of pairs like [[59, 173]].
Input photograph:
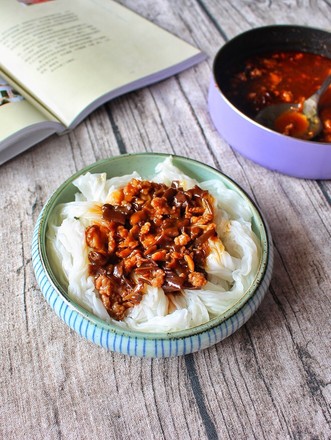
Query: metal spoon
[[308, 110]]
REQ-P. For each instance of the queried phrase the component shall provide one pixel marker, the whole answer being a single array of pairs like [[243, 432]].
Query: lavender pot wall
[[272, 150]]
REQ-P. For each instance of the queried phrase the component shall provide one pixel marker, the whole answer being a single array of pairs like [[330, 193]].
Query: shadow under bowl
[[114, 337], [285, 154]]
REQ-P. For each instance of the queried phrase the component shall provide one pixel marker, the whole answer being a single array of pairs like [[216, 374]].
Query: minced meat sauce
[[152, 234]]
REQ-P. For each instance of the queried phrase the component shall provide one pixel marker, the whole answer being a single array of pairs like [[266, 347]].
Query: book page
[[17, 114], [67, 54]]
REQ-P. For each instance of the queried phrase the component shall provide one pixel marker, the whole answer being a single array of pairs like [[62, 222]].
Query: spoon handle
[[310, 106], [322, 89]]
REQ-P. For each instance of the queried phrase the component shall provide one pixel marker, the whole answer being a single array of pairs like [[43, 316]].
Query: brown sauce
[[281, 77], [151, 233]]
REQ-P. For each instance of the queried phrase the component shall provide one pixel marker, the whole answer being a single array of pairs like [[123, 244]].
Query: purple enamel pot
[[295, 157]]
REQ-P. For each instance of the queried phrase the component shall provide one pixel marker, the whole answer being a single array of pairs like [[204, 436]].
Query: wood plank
[[271, 379]]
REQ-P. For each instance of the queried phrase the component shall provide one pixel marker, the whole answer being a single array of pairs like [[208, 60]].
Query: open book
[[60, 60]]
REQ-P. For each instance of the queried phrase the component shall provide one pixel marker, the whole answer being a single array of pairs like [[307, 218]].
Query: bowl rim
[[51, 203], [242, 35]]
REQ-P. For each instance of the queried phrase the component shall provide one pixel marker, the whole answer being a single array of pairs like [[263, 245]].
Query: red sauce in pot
[[281, 77]]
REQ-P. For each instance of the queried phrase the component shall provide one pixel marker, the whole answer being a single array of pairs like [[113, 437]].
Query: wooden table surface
[[269, 380]]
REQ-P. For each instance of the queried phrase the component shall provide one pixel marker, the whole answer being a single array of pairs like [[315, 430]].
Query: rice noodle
[[231, 265]]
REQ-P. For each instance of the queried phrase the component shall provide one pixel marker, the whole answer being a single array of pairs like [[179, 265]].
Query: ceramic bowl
[[113, 337], [295, 157]]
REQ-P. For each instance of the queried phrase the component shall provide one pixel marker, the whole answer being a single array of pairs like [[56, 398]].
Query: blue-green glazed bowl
[[134, 343]]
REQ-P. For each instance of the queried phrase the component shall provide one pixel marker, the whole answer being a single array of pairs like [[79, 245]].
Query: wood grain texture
[[271, 379]]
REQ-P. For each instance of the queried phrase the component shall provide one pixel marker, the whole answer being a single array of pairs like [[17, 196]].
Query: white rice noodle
[[96, 187], [166, 172], [68, 241], [231, 265]]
